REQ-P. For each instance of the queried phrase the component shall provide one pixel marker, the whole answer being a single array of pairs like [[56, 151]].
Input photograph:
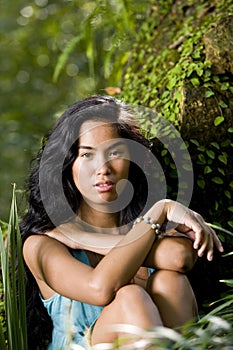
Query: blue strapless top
[[72, 319]]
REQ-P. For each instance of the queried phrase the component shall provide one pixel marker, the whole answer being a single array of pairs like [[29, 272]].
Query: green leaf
[[230, 209], [178, 95], [201, 184], [223, 158], [207, 73], [164, 152], [227, 194], [195, 82], [224, 86], [63, 58], [225, 143], [230, 223], [201, 148], [215, 144], [230, 130], [195, 142], [172, 166], [227, 282], [209, 93], [187, 167], [217, 227], [172, 83], [217, 180], [183, 184], [210, 153], [207, 169], [199, 71], [13, 287], [218, 120], [201, 158], [227, 254], [152, 103], [223, 104], [221, 171]]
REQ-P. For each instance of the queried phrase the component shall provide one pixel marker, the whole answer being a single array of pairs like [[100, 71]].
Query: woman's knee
[[138, 305], [174, 297], [132, 296], [165, 280], [131, 305], [172, 287]]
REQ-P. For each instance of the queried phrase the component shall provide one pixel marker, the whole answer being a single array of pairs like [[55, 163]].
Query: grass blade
[[13, 284]]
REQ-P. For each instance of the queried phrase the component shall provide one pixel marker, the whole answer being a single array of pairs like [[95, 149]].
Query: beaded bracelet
[[149, 221]]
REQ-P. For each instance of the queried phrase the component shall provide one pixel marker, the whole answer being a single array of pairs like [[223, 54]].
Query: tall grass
[[13, 334]]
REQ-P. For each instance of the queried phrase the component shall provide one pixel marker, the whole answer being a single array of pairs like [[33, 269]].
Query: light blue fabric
[[71, 319]]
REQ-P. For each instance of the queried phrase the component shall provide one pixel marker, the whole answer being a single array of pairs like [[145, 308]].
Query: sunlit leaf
[[218, 120]]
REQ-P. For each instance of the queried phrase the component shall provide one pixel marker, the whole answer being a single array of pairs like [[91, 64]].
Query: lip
[[104, 186]]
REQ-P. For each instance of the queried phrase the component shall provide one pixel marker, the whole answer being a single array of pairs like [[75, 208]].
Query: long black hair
[[53, 197]]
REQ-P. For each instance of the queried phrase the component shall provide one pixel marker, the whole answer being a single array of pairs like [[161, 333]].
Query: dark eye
[[86, 155], [115, 153]]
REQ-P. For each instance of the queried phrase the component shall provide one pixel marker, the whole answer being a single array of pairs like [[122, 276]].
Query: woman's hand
[[193, 225]]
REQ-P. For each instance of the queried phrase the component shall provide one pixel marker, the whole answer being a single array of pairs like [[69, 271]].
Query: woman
[[89, 236]]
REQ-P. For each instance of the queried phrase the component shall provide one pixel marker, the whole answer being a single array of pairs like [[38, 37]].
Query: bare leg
[[132, 305], [174, 297]]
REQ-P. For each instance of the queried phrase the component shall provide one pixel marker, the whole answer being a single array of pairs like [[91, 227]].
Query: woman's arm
[[52, 265], [51, 262], [73, 236], [204, 241], [172, 251]]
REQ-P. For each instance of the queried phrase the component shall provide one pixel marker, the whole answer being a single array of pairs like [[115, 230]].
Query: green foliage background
[[52, 54], [164, 66]]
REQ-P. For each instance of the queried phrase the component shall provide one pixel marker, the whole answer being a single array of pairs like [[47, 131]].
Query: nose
[[103, 167]]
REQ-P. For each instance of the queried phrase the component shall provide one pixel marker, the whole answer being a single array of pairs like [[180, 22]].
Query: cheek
[[75, 173], [80, 175], [122, 168], [126, 168], [123, 174]]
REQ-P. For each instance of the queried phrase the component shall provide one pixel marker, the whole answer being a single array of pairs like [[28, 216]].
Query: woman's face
[[101, 164]]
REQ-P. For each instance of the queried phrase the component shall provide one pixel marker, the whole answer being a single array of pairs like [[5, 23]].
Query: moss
[[168, 71]]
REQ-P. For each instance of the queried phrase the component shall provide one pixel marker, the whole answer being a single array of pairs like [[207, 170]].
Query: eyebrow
[[118, 143]]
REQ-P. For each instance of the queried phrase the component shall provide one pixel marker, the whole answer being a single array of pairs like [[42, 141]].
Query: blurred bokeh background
[[52, 54]]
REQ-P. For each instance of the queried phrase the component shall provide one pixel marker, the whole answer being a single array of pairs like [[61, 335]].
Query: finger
[[210, 255], [203, 240], [207, 247], [216, 240], [202, 247], [211, 240], [198, 237]]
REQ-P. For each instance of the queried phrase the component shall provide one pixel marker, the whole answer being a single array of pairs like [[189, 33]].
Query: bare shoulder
[[40, 242], [36, 247], [55, 269]]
